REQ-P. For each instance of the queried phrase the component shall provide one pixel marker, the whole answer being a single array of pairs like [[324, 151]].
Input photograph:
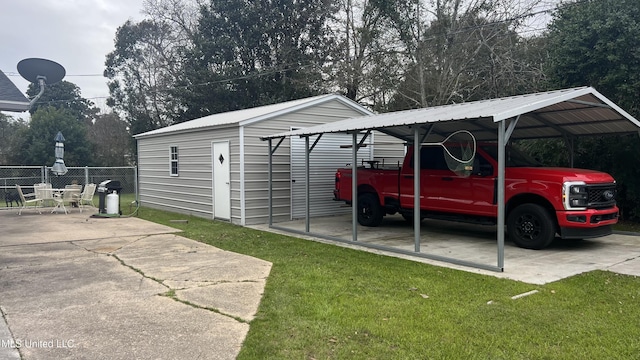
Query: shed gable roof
[[252, 115], [11, 99]]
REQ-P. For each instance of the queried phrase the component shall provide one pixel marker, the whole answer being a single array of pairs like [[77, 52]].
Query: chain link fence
[[26, 176]]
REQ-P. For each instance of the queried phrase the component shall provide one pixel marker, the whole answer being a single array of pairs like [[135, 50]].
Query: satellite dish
[[41, 72], [34, 70]]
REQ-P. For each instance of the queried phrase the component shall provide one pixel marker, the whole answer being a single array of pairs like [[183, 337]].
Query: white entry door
[[221, 180]]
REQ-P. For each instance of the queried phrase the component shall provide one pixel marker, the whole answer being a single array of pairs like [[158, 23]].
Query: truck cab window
[[431, 158], [513, 156], [481, 166]]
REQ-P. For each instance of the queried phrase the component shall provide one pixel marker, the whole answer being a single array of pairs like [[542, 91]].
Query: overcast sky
[[77, 34]]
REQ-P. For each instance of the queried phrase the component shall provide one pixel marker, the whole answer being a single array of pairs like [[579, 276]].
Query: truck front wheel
[[370, 212], [531, 227]]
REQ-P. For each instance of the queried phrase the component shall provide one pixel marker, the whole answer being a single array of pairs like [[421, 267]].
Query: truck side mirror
[[486, 170], [483, 170]]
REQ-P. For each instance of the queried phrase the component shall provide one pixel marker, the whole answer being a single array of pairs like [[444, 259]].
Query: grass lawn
[[327, 302]]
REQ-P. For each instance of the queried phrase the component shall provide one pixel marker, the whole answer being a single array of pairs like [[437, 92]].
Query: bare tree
[[146, 62], [111, 141], [365, 63], [461, 50]]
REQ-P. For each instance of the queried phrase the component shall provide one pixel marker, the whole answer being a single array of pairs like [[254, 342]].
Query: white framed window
[[173, 162]]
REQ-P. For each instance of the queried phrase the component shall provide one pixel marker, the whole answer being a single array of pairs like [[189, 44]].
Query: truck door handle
[[447, 178], [408, 176]]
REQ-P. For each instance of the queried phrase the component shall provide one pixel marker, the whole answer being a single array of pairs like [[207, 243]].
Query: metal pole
[[354, 187], [416, 188], [86, 176], [500, 189], [135, 182], [270, 187], [307, 188]]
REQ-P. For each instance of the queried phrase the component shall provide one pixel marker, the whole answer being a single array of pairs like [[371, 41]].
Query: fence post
[[86, 175], [43, 174], [135, 182]]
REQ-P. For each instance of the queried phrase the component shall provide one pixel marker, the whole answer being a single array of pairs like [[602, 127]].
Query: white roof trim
[[252, 115], [14, 106], [314, 102]]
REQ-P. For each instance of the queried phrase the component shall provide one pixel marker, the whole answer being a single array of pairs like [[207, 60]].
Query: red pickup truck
[[540, 201]]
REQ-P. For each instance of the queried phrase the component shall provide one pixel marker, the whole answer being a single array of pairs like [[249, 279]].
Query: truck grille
[[601, 196]]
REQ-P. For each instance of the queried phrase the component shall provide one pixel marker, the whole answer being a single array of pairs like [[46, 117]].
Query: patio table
[[62, 195]]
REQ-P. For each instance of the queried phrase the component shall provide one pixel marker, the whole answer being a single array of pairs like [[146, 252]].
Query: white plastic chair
[[31, 198], [86, 196], [72, 193], [44, 191]]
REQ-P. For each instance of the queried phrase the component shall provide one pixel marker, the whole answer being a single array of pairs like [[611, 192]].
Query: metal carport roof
[[569, 112], [566, 113]]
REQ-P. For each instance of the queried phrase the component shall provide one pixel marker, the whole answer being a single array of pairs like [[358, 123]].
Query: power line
[[300, 67], [10, 73]]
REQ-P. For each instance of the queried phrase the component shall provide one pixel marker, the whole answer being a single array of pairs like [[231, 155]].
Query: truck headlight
[[575, 195]]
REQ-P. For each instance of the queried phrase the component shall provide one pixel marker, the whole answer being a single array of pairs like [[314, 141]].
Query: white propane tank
[[113, 201]]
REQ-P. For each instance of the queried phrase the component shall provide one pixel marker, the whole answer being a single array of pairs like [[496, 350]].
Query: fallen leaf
[[425, 296]]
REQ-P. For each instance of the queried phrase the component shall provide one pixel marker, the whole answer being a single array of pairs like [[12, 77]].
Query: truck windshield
[[513, 156]]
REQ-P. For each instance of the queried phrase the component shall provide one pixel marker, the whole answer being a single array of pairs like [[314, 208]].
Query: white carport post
[[270, 183], [416, 188], [307, 188], [501, 210], [354, 186], [504, 134], [270, 178]]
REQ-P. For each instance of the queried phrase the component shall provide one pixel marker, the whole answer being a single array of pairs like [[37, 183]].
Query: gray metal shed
[[566, 113], [217, 167]]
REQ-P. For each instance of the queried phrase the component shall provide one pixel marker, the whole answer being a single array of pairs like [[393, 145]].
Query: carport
[[566, 114]]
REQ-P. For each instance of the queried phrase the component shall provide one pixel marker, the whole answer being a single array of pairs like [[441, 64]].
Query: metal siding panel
[[160, 190], [387, 149], [325, 158], [195, 148], [256, 160]]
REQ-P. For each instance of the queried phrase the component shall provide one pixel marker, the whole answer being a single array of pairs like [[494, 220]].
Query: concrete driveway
[[76, 287], [475, 243]]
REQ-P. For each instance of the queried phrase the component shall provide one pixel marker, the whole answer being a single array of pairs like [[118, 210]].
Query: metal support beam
[[416, 188], [589, 103], [354, 187], [270, 181], [315, 142], [364, 138], [307, 187], [428, 129], [502, 142], [569, 141], [551, 125], [509, 131], [277, 146]]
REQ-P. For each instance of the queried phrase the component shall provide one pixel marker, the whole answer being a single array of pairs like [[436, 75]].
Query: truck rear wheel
[[370, 212], [531, 227]]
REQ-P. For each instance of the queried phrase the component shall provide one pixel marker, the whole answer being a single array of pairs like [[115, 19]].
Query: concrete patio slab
[[120, 288]]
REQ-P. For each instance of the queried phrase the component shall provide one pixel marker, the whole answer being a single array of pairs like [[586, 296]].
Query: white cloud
[[77, 34]]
